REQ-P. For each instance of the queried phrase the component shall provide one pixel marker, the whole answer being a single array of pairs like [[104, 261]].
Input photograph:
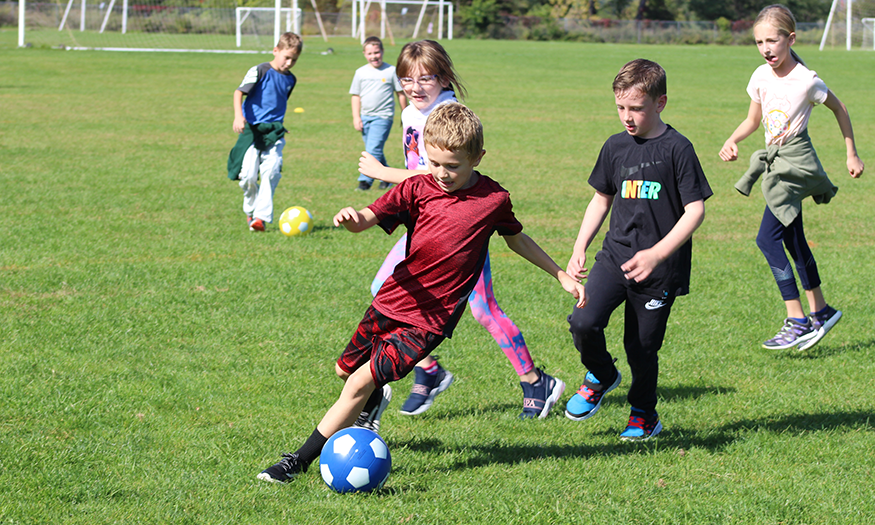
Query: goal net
[[216, 25], [849, 25], [160, 25], [391, 19], [868, 33]]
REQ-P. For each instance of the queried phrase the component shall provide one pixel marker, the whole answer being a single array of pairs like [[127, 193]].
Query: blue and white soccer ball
[[355, 460]]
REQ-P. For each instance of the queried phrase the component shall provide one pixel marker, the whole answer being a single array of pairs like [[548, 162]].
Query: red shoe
[[256, 225]]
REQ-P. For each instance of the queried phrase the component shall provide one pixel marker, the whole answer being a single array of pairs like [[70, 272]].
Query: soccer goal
[[402, 19], [208, 26], [868, 33], [850, 23], [259, 23]]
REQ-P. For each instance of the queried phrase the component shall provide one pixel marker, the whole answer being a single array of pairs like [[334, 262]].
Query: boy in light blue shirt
[[373, 105]]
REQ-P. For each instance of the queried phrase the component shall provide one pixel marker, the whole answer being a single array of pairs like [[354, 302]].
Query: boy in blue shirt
[[259, 121], [650, 180]]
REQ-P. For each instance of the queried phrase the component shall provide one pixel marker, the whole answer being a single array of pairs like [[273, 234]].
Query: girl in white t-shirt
[[429, 79], [783, 92]]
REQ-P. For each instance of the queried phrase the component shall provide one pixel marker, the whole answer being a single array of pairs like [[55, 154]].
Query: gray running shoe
[[790, 335]]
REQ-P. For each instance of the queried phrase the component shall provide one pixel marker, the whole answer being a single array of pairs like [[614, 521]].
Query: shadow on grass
[[821, 350], [714, 439], [679, 393]]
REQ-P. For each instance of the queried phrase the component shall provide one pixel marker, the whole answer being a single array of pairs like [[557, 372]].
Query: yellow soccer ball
[[296, 221]]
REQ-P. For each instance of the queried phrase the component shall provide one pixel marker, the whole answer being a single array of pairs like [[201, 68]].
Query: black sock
[[311, 448], [373, 401]]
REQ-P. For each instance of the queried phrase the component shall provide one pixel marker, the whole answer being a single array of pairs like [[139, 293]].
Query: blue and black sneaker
[[586, 402], [821, 322], [425, 388], [539, 397], [642, 426]]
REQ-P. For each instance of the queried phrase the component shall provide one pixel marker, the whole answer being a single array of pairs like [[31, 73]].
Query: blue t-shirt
[[267, 94]]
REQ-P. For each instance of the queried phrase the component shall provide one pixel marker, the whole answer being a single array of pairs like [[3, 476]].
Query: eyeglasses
[[425, 80]]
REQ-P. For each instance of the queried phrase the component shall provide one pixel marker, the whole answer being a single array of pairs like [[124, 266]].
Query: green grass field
[[155, 355]]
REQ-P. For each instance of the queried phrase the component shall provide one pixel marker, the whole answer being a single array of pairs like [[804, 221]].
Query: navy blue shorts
[[392, 348]]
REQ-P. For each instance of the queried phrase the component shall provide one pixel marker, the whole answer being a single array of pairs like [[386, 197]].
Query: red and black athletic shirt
[[447, 243]]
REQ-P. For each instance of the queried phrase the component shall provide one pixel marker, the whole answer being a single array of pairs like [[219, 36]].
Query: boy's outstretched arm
[[641, 265], [729, 151], [855, 165], [596, 212], [371, 167], [529, 250], [355, 221]]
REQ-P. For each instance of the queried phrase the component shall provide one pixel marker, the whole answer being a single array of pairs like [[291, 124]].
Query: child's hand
[[855, 166], [574, 288], [357, 123], [641, 265], [239, 124], [369, 166], [576, 269], [729, 151], [346, 215]]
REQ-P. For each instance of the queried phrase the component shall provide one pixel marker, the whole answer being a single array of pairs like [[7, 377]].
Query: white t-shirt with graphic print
[[787, 102]]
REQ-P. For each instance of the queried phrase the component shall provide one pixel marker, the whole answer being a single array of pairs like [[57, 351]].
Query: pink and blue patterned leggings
[[483, 306]]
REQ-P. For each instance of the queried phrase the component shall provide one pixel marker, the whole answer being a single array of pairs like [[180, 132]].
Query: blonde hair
[[781, 18], [644, 75], [434, 60], [454, 127], [290, 41]]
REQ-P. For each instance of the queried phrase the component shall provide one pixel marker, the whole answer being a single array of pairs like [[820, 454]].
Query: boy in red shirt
[[450, 215]]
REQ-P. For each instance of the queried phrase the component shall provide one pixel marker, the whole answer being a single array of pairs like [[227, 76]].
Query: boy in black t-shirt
[[652, 179]]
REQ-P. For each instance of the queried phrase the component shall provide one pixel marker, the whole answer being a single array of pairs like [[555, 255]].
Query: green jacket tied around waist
[[790, 173], [262, 136]]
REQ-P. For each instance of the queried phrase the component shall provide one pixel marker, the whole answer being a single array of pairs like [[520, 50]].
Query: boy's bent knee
[[582, 326], [341, 373]]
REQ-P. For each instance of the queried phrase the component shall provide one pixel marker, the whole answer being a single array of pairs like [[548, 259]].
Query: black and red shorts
[[392, 348]]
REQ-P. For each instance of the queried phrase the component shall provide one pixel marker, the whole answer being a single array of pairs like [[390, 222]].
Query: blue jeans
[[375, 133]]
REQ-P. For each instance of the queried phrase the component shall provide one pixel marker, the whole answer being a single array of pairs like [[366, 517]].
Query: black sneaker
[[363, 186], [371, 420], [287, 469], [539, 398], [385, 185]]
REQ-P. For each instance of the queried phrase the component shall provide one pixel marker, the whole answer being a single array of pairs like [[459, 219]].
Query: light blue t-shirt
[[376, 87]]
